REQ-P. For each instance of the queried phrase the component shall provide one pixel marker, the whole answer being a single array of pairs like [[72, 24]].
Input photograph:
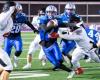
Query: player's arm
[[31, 26], [70, 37], [50, 25], [7, 14], [98, 43], [75, 36]]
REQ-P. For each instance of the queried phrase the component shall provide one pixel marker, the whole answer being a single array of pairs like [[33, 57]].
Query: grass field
[[38, 72]]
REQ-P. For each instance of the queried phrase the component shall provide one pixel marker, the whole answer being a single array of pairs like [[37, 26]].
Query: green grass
[[92, 71]]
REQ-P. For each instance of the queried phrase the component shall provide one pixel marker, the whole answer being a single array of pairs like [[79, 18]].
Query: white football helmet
[[51, 11], [19, 7], [93, 26], [70, 8]]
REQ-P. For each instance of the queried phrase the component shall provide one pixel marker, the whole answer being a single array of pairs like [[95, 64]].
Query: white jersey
[[6, 23], [80, 37], [35, 22], [83, 46]]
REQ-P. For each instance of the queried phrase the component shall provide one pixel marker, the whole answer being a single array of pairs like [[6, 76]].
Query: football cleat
[[43, 62], [79, 71], [88, 60], [27, 66], [71, 74]]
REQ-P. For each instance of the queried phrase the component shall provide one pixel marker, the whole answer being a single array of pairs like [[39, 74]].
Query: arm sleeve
[[31, 26], [63, 25], [70, 37]]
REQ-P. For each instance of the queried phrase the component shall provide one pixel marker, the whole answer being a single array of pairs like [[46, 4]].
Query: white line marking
[[27, 74]]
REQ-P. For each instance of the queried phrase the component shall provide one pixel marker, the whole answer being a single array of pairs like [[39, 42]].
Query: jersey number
[[91, 34], [15, 28]]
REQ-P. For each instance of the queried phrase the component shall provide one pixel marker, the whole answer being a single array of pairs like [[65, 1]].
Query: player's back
[[92, 34]]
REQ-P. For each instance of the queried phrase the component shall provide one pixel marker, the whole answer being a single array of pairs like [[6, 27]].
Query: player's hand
[[94, 45], [54, 35], [6, 34], [36, 31]]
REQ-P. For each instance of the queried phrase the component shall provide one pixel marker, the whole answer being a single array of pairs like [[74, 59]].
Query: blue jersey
[[93, 34], [69, 18], [43, 20], [63, 18], [18, 21], [14, 39], [51, 48], [68, 45]]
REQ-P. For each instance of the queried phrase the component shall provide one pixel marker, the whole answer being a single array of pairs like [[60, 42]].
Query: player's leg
[[5, 65], [32, 49], [58, 57], [18, 47], [67, 54], [94, 56], [77, 54], [63, 50], [42, 57], [67, 49], [8, 45], [4, 75]]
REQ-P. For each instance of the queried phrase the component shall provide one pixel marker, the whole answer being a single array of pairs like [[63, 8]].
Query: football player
[[83, 42], [6, 24], [14, 38], [48, 38], [93, 34], [35, 43], [67, 46]]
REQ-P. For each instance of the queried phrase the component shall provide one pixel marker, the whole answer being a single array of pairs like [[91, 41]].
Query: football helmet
[[7, 5], [19, 7], [70, 8], [51, 11]]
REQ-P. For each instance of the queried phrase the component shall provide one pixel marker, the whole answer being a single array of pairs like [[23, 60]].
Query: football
[[52, 23]]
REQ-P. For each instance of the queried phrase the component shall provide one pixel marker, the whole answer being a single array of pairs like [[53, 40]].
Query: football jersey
[[67, 45], [6, 23], [18, 21], [43, 20], [93, 34]]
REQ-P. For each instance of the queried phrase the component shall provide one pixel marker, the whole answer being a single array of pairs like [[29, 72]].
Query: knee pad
[[18, 53]]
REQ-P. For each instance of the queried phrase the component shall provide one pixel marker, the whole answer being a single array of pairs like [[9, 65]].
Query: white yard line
[[27, 74], [26, 58]]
